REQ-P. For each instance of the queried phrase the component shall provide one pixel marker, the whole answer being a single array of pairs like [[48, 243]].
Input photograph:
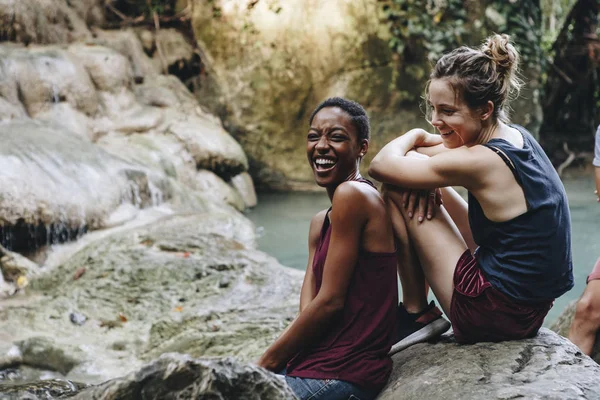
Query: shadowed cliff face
[[268, 65]]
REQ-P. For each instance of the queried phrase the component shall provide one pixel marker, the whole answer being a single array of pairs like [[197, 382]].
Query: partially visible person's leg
[[587, 314], [327, 389], [437, 243], [417, 321], [412, 280]]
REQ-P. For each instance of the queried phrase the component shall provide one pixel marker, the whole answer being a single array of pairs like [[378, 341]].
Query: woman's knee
[[588, 309]]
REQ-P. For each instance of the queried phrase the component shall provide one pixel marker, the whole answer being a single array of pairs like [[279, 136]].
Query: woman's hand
[[422, 203], [270, 363]]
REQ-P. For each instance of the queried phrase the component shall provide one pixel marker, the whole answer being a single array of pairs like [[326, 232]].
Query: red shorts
[[595, 272], [481, 313]]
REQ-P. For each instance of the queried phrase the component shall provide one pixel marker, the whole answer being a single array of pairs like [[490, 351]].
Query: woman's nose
[[322, 144], [435, 120]]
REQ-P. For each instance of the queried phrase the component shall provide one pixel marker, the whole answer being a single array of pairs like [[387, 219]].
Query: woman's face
[[333, 148], [457, 123]]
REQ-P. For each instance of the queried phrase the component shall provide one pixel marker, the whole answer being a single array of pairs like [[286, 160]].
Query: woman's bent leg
[[438, 245], [412, 280]]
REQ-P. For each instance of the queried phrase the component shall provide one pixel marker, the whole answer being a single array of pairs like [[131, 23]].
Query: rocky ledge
[[545, 367]]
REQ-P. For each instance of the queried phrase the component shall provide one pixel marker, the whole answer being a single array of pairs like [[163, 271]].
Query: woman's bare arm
[[455, 167]]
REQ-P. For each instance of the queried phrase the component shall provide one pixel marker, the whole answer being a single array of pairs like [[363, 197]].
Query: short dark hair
[[357, 114]]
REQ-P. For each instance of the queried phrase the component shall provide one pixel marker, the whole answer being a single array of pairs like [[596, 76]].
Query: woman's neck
[[489, 132], [354, 176]]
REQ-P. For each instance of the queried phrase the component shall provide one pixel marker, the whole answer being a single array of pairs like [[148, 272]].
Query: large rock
[[270, 63], [96, 93], [546, 367], [174, 376], [49, 21], [171, 376], [189, 283], [56, 181]]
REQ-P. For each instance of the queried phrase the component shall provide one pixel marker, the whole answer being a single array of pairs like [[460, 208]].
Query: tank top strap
[[368, 182], [501, 153], [325, 227]]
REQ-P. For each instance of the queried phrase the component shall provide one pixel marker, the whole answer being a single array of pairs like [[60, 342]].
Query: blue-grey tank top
[[528, 258]]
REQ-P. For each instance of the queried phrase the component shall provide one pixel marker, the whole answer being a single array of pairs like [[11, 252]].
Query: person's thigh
[[327, 389], [438, 244]]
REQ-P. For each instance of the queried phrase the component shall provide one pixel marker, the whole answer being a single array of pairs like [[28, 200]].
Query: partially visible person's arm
[[596, 162], [308, 291], [347, 221], [456, 167], [597, 174]]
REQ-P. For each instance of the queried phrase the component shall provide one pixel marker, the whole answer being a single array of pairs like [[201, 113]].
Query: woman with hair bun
[[497, 262]]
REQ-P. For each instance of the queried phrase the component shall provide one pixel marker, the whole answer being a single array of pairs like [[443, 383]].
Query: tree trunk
[[572, 87]]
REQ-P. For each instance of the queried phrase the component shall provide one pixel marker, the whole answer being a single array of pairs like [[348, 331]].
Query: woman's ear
[[487, 110], [364, 147]]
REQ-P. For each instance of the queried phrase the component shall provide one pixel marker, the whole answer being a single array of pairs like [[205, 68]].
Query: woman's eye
[[448, 112], [312, 137], [338, 138]]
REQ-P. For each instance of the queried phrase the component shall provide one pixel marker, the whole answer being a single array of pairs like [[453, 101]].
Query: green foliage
[[432, 25], [554, 13], [523, 23]]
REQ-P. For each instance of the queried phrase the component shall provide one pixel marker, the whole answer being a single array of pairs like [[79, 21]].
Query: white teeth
[[324, 161]]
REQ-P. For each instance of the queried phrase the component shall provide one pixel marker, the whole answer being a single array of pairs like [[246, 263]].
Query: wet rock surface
[[547, 366], [150, 290]]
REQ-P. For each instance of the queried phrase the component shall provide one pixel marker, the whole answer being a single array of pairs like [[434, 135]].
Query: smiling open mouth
[[324, 164], [447, 133]]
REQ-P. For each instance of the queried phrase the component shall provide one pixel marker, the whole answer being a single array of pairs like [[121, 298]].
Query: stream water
[[282, 221]]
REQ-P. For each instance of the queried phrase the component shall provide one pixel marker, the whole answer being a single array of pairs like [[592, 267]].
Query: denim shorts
[[327, 389]]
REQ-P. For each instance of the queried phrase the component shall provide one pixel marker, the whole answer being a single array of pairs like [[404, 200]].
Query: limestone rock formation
[[49, 21], [545, 367], [59, 104], [269, 63], [190, 283], [171, 376], [58, 181], [175, 376]]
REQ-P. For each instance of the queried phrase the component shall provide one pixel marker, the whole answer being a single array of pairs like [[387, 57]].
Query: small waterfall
[[24, 238], [55, 94], [156, 194]]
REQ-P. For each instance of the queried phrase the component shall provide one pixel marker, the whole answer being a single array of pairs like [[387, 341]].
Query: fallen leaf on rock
[[122, 317], [22, 281], [178, 309], [79, 273], [110, 324], [186, 254]]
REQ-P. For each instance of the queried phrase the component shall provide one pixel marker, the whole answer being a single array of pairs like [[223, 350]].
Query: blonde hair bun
[[501, 51], [505, 60]]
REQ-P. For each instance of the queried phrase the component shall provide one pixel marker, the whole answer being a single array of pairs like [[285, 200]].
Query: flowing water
[[282, 220]]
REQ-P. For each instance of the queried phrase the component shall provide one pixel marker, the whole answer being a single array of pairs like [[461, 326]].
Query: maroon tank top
[[355, 347]]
